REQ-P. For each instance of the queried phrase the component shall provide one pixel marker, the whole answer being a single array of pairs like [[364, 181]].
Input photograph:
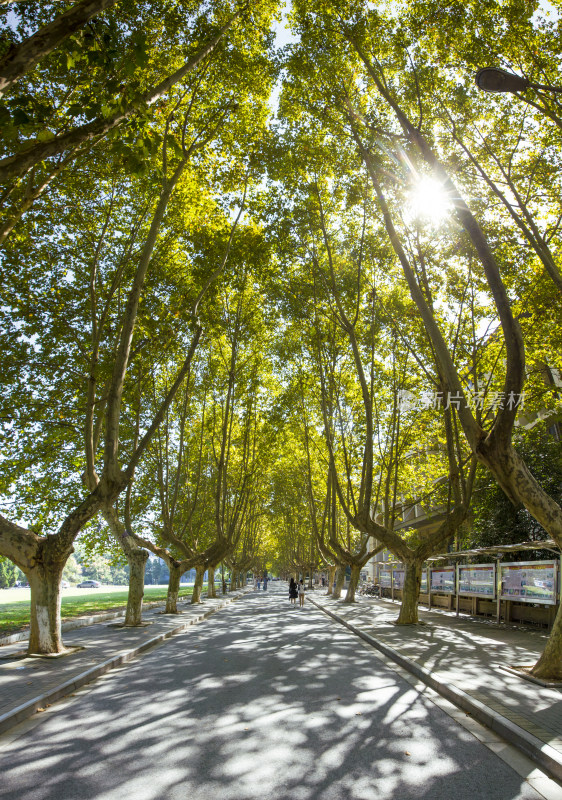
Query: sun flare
[[429, 201]]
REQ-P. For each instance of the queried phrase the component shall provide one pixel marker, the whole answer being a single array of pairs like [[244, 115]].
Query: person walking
[[301, 593], [293, 591]]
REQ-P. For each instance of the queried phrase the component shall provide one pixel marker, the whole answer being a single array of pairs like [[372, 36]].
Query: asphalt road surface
[[263, 700]]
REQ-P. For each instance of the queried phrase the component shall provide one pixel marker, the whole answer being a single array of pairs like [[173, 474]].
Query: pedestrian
[[301, 593], [259, 581], [265, 582], [293, 591]]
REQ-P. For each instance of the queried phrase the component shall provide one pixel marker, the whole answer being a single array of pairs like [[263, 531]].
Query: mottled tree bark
[[410, 594], [331, 578], [340, 581], [44, 633], [137, 562], [136, 558], [198, 585], [211, 588], [549, 665], [353, 584], [173, 588]]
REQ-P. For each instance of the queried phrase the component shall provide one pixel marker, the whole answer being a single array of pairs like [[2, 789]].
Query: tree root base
[[525, 672], [68, 651], [122, 625]]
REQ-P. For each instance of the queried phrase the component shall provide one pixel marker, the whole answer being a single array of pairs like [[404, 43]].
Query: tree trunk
[[233, 580], [549, 665], [173, 589], [340, 581], [410, 594], [211, 589], [17, 164], [331, 578], [137, 562], [198, 585], [24, 56], [45, 632], [520, 485], [353, 584]]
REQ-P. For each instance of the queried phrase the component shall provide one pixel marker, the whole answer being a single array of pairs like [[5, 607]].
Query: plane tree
[[78, 322], [116, 71], [367, 66], [204, 460], [512, 143]]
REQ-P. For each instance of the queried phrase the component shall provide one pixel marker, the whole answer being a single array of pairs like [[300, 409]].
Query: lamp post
[[492, 79]]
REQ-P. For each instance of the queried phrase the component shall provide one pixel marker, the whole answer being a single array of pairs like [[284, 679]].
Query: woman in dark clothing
[[293, 591]]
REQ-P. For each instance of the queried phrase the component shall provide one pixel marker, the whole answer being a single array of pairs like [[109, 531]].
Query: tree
[[115, 289], [72, 571], [7, 573], [23, 57], [117, 101], [495, 519], [377, 121]]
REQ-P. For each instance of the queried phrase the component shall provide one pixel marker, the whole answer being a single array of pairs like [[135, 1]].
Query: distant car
[[89, 585], [64, 585]]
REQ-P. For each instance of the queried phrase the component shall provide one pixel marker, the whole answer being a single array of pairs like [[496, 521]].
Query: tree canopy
[[257, 301]]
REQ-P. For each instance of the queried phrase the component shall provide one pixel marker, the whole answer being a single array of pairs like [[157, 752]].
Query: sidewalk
[[29, 684], [460, 658]]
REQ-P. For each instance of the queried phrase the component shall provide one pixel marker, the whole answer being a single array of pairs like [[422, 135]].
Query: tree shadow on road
[[262, 700]]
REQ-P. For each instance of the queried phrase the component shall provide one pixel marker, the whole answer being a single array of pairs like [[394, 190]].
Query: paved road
[[466, 653], [262, 700]]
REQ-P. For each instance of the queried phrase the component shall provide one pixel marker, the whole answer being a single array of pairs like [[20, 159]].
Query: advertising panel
[[529, 582], [478, 580], [423, 589], [385, 578], [442, 580], [398, 578]]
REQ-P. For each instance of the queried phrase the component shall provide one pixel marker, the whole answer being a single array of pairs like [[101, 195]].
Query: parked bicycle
[[370, 590]]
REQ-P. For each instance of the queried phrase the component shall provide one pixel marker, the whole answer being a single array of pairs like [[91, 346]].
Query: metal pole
[[429, 589], [498, 590], [457, 590]]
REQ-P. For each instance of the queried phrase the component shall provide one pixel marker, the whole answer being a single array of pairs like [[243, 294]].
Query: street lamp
[[492, 79]]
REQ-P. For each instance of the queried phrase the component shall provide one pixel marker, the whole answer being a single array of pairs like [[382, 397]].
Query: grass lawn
[[14, 603]]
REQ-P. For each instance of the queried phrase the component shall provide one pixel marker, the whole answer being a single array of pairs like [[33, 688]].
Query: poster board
[[398, 578], [442, 580], [385, 578], [477, 580], [529, 582]]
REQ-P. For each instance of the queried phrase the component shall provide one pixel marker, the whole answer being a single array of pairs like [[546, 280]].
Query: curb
[[79, 622], [18, 714], [545, 756], [74, 623]]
